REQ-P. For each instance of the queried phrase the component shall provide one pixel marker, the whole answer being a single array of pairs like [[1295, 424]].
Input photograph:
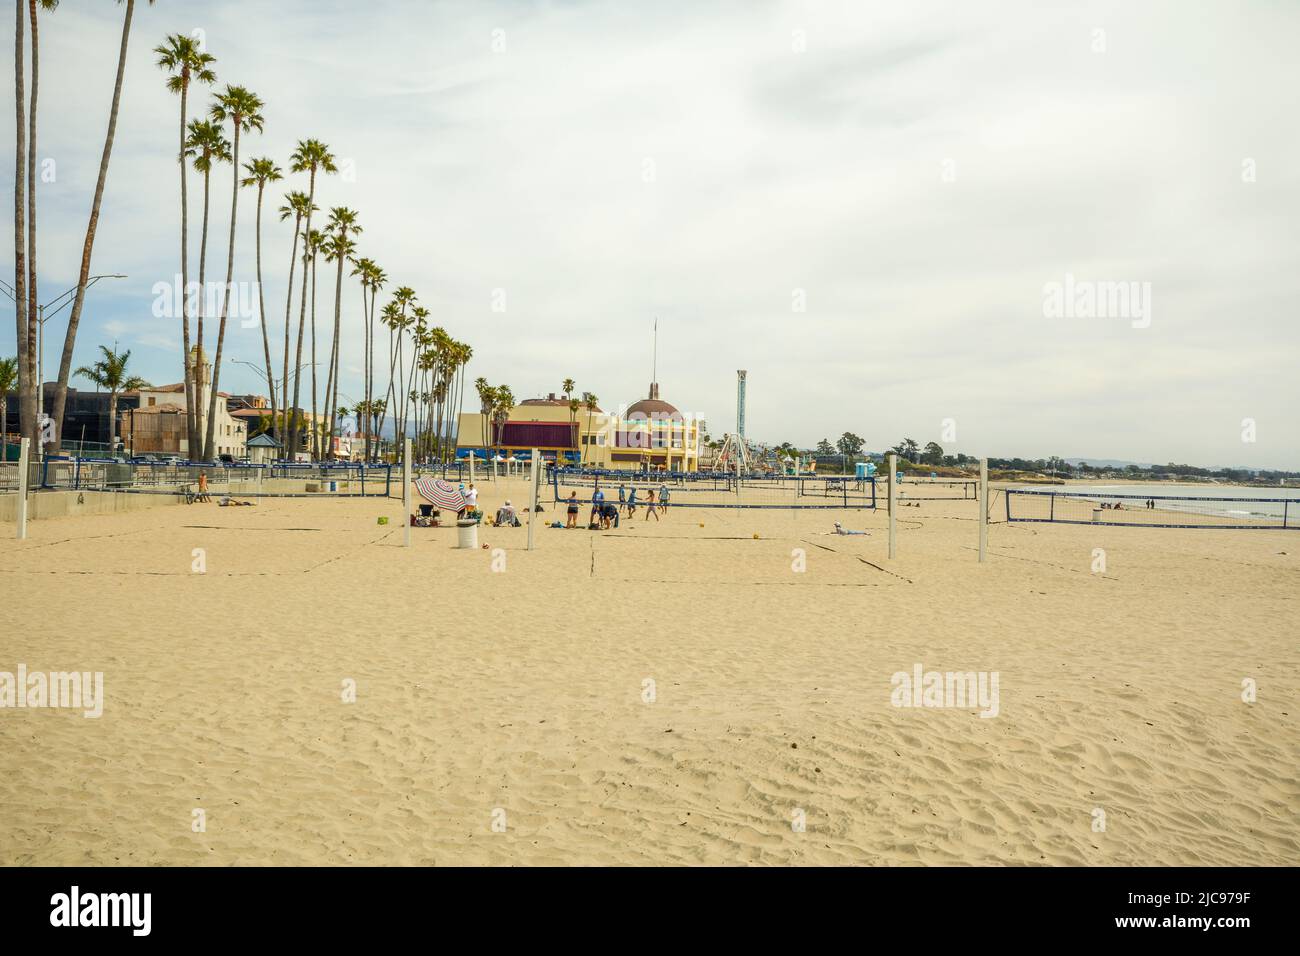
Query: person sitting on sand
[[506, 515], [573, 510]]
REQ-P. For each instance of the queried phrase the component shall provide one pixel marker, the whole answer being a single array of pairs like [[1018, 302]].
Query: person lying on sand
[[228, 502], [839, 529]]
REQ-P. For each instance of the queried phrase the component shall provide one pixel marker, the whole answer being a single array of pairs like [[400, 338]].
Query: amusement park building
[[649, 434]]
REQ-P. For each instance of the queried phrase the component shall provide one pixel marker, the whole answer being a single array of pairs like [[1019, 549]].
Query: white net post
[[984, 506], [893, 492], [23, 453], [532, 494], [406, 489]]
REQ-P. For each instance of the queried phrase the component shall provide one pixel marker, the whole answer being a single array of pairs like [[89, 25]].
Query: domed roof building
[[653, 408]]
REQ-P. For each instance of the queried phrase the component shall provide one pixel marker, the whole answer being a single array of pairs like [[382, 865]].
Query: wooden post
[[471, 466], [893, 498], [984, 506], [532, 494], [406, 488], [24, 451]]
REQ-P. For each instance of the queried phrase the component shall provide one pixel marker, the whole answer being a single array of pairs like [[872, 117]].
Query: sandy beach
[[666, 693]]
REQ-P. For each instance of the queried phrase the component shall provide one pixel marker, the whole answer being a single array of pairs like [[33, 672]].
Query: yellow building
[[650, 434]]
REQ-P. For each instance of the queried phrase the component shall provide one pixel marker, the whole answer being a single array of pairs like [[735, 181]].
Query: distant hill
[[1106, 462]]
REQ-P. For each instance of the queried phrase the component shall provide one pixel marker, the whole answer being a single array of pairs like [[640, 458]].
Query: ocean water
[[1227, 500]]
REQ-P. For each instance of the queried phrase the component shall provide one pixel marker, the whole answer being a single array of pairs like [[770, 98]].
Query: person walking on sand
[[203, 488], [573, 510], [663, 498], [650, 508], [631, 502]]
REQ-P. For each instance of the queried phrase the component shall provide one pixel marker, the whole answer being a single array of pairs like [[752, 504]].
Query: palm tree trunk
[[26, 396], [203, 308], [191, 400], [315, 432], [332, 399], [208, 443], [368, 318], [388, 396], [302, 313], [33, 313], [261, 304], [70, 338], [288, 324], [112, 423]]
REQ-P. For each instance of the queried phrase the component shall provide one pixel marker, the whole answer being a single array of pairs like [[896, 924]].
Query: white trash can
[[467, 531]]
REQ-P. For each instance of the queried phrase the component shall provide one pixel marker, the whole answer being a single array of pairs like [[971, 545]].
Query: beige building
[[160, 419], [649, 434]]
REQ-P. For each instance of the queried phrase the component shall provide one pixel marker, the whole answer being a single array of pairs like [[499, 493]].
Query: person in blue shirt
[[631, 502]]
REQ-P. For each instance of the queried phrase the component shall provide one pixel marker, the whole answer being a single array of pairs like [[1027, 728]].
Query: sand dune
[[523, 691]]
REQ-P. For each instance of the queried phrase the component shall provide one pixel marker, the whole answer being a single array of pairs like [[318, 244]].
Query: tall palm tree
[[372, 278], [589, 402], [8, 382], [83, 278], [342, 226], [311, 250], [484, 391], [391, 318], [26, 393], [208, 145], [503, 400], [186, 61], [109, 373], [33, 373], [260, 172], [296, 204], [243, 110], [403, 298], [311, 156]]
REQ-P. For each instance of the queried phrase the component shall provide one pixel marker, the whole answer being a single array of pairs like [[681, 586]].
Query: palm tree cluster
[[421, 394], [425, 386]]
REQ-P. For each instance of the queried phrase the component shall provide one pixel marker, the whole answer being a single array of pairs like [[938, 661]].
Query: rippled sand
[[521, 697]]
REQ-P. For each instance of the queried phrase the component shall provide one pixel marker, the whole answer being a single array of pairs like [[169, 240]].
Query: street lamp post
[[41, 318]]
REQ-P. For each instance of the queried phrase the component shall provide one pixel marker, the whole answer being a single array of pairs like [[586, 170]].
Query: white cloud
[[773, 170]]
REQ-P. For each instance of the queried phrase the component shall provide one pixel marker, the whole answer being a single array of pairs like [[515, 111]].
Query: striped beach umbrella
[[443, 495]]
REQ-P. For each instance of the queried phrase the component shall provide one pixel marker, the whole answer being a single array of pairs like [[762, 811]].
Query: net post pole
[[984, 507], [893, 491], [406, 490], [471, 466], [532, 493], [23, 452]]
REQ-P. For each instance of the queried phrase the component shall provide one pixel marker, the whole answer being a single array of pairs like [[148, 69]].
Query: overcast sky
[[912, 175]]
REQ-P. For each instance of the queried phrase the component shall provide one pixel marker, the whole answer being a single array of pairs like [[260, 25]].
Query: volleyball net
[[1152, 511], [165, 478], [706, 490]]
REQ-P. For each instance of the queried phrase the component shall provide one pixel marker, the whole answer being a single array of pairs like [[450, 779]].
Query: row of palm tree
[[588, 401], [423, 395], [436, 365]]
